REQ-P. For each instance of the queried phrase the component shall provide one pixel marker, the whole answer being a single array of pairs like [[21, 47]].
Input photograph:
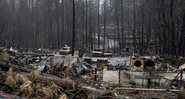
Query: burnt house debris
[[55, 76]]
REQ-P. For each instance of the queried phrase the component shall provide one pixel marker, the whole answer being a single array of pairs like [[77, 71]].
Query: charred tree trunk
[[57, 23], [142, 28], [73, 35], [172, 27], [105, 20], [117, 27], [83, 24], [90, 40], [182, 37], [134, 27], [86, 34], [98, 23], [122, 24]]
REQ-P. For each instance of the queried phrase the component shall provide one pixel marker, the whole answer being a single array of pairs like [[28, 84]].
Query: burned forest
[[92, 49]]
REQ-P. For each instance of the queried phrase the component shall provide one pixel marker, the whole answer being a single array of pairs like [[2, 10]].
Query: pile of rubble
[[47, 75], [42, 76]]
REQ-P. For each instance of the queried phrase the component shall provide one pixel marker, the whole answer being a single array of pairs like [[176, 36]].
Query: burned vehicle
[[107, 53], [65, 50], [97, 53]]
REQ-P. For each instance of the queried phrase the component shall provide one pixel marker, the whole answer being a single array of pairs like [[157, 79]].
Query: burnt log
[[66, 84]]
